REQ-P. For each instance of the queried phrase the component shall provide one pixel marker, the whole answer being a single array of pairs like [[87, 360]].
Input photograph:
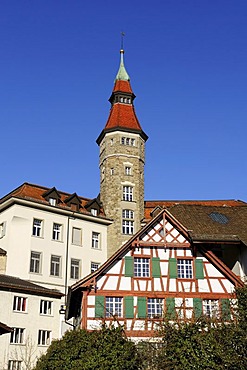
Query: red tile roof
[[123, 86], [123, 116]]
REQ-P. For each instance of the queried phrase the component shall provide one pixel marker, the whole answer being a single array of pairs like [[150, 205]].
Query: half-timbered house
[[158, 271]]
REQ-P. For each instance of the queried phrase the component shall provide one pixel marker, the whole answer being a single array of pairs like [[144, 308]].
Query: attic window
[[219, 217], [94, 211], [52, 201]]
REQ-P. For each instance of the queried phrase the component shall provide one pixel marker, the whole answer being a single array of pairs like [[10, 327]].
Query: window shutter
[[199, 269], [156, 267], [170, 308], [99, 306], [142, 307], [173, 273], [76, 236], [225, 309], [197, 304], [129, 307], [129, 266]]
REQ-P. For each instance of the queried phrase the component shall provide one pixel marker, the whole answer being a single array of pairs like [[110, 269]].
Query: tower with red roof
[[122, 159]]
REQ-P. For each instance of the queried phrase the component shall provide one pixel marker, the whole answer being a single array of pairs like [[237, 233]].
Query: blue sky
[[187, 62]]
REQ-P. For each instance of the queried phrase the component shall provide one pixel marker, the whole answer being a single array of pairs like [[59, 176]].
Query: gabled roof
[[35, 193], [11, 283]]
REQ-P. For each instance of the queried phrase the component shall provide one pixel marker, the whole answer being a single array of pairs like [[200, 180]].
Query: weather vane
[[122, 39]]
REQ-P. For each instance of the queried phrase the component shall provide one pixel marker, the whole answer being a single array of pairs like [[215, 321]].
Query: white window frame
[[52, 201], [210, 307], [55, 266], [94, 212], [17, 336], [35, 262], [75, 269], [114, 307], [37, 228], [19, 304], [75, 240], [128, 193], [141, 267], [57, 232], [46, 307], [185, 268], [155, 307], [127, 227], [14, 364], [94, 266], [44, 337], [95, 240]]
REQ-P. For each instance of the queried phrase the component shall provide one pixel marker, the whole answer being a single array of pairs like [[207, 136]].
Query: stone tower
[[122, 159]]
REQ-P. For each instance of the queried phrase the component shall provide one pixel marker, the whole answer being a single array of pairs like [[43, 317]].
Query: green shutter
[[199, 269], [129, 266], [156, 267], [99, 306], [173, 272], [142, 307], [226, 309], [129, 307], [197, 304], [170, 308]]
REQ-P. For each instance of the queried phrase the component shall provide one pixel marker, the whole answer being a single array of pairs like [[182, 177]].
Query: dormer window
[[94, 212], [127, 141], [52, 201]]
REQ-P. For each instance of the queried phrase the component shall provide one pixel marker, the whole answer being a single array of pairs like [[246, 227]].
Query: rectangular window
[[114, 306], [2, 229], [184, 269], [127, 221], [20, 304], [74, 269], [127, 170], [128, 193], [94, 266], [94, 212], [76, 236], [14, 365], [35, 262], [45, 307], [17, 336], [55, 265], [44, 337], [95, 240], [155, 307], [52, 201], [57, 232], [210, 307], [37, 227], [141, 267]]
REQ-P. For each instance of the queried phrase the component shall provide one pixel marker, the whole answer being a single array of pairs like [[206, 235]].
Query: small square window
[[184, 268], [44, 338], [155, 307], [114, 306], [94, 212], [52, 201], [94, 266], [20, 304], [141, 267], [17, 336], [210, 307], [45, 307]]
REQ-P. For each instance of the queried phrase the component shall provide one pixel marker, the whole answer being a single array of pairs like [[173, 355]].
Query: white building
[[31, 311]]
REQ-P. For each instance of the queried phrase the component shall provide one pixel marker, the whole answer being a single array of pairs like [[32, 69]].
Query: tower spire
[[122, 73]]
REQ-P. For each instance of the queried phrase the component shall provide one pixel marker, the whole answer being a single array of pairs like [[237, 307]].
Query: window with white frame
[[128, 193], [94, 266], [127, 170], [57, 232], [2, 229], [127, 221], [112, 171], [37, 227], [94, 212], [55, 265], [35, 262], [141, 267], [155, 307], [76, 236], [210, 307], [185, 270], [52, 201], [114, 306], [95, 240], [14, 365], [44, 337], [75, 269], [45, 307], [20, 304], [17, 336]]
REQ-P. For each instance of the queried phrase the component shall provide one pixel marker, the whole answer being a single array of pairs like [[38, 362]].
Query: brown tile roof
[[12, 283], [213, 223], [123, 86], [36, 193], [123, 116]]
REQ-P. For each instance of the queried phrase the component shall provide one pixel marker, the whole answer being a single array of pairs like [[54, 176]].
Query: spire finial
[[122, 40]]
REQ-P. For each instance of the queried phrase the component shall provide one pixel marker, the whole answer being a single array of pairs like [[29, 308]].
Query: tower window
[[127, 222], [127, 141], [128, 193], [127, 170], [112, 171]]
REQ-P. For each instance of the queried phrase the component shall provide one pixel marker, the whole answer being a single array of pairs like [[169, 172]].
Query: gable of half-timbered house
[[157, 272]]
